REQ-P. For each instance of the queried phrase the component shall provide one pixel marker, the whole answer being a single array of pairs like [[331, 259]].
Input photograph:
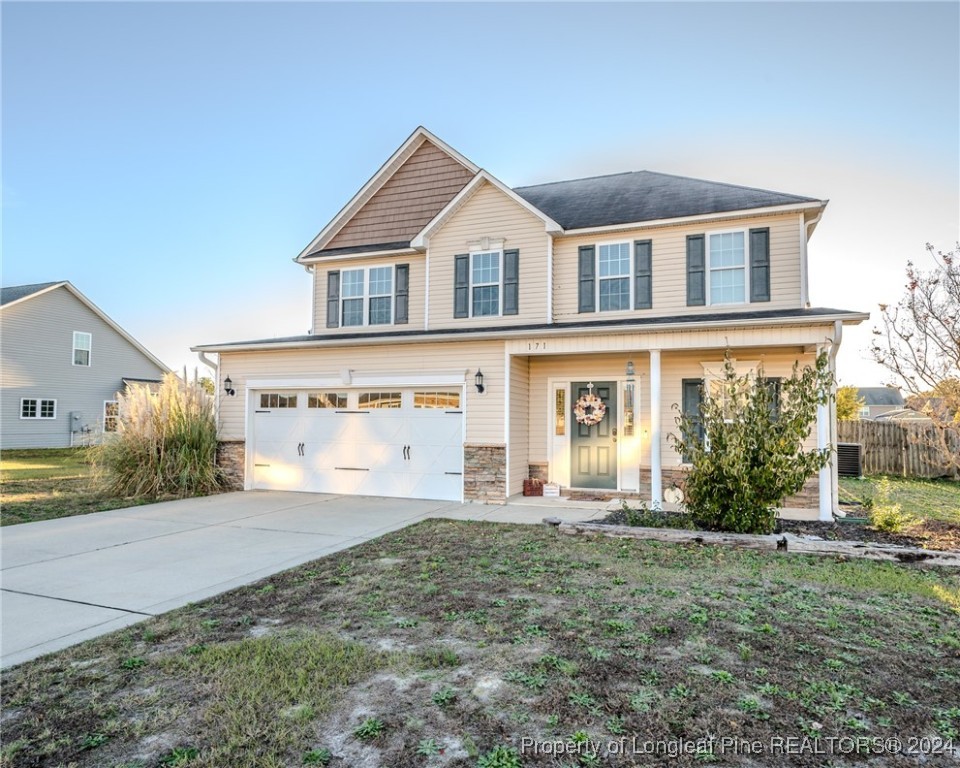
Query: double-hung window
[[35, 408], [728, 268], [111, 415], [368, 296], [614, 276], [485, 283], [82, 347]]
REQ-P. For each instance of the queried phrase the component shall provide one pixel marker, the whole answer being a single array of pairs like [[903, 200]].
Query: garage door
[[405, 443]]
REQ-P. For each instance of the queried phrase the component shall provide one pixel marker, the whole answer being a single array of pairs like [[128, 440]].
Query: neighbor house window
[[82, 346], [366, 296], [34, 408], [727, 273], [277, 400], [111, 415], [613, 270], [485, 283]]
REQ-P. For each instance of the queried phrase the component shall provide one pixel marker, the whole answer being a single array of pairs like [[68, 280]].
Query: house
[[878, 400], [467, 336], [63, 362]]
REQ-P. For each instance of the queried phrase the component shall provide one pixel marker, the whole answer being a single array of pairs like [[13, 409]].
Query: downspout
[[834, 475], [207, 361], [804, 267], [426, 288], [549, 279]]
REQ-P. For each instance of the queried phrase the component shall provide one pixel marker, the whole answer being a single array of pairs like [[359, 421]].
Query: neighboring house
[[904, 414], [878, 400], [63, 362], [457, 324]]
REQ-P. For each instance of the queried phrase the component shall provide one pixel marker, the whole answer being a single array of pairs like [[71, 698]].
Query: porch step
[[602, 495]]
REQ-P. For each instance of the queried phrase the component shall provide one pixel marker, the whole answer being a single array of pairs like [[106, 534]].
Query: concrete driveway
[[67, 580]]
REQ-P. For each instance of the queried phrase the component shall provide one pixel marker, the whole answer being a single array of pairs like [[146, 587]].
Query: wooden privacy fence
[[908, 449]]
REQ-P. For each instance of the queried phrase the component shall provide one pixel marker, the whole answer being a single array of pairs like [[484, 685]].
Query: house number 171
[[536, 346]]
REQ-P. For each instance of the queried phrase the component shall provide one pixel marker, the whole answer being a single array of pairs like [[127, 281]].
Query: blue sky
[[170, 159]]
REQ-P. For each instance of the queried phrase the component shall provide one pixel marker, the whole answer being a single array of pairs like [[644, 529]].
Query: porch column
[[656, 469], [826, 474]]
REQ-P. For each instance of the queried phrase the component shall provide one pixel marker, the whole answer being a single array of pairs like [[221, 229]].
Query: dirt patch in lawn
[[441, 643]]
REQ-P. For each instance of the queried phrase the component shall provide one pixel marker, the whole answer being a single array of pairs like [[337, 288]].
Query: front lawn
[[450, 643], [46, 483]]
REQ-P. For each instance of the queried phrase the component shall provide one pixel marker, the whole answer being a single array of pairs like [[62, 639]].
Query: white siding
[[484, 412], [489, 213], [669, 268]]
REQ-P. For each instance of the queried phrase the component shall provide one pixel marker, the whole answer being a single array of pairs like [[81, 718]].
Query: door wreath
[[589, 410]]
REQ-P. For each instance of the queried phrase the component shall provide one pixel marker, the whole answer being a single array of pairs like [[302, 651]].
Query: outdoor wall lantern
[[228, 386], [630, 370], [478, 380]]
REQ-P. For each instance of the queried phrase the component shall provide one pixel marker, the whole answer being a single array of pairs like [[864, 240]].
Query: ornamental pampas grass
[[165, 444]]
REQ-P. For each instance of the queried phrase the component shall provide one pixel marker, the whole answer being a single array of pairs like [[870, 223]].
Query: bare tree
[[919, 341]]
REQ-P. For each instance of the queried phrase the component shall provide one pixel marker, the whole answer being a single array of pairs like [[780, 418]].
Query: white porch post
[[826, 474], [656, 469]]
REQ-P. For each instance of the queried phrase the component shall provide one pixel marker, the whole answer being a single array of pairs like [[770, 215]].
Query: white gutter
[[772, 210], [555, 330], [207, 361], [307, 260], [804, 267]]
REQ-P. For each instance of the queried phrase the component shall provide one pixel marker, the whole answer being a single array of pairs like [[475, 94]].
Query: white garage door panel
[[397, 452]]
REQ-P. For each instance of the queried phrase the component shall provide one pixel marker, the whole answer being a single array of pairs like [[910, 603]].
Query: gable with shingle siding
[[422, 186]]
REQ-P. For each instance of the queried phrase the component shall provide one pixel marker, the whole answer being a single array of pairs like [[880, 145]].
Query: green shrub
[[165, 444], [884, 514], [746, 445]]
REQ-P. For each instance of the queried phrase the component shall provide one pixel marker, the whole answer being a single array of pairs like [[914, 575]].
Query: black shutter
[[333, 299], [760, 264], [692, 394], [401, 312], [461, 285], [511, 282], [696, 272], [643, 271], [588, 301]]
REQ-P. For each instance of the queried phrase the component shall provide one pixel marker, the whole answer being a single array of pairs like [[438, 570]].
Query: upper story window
[[729, 267], [368, 296], [82, 347], [33, 408], [614, 277], [486, 283]]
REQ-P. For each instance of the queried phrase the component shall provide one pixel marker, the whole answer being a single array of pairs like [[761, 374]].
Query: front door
[[593, 447]]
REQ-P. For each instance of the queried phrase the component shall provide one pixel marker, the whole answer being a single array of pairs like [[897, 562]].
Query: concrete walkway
[[67, 580]]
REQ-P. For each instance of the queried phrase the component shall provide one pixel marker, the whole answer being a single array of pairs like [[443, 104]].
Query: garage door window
[[445, 400], [327, 400], [277, 400], [379, 400]]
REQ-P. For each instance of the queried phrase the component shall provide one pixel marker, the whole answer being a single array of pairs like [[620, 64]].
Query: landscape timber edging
[[786, 543]]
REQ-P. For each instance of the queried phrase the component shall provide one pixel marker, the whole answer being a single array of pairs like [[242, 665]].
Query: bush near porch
[[450, 642]]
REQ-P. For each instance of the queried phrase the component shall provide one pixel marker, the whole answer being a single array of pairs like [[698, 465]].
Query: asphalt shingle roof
[[880, 396], [17, 292], [624, 198]]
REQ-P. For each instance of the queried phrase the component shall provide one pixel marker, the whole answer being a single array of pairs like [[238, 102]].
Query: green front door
[[593, 447]]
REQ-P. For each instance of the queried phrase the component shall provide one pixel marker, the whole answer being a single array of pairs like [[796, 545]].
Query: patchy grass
[[447, 643], [923, 499], [43, 484]]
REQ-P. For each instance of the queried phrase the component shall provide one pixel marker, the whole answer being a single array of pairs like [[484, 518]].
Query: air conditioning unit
[[850, 459]]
